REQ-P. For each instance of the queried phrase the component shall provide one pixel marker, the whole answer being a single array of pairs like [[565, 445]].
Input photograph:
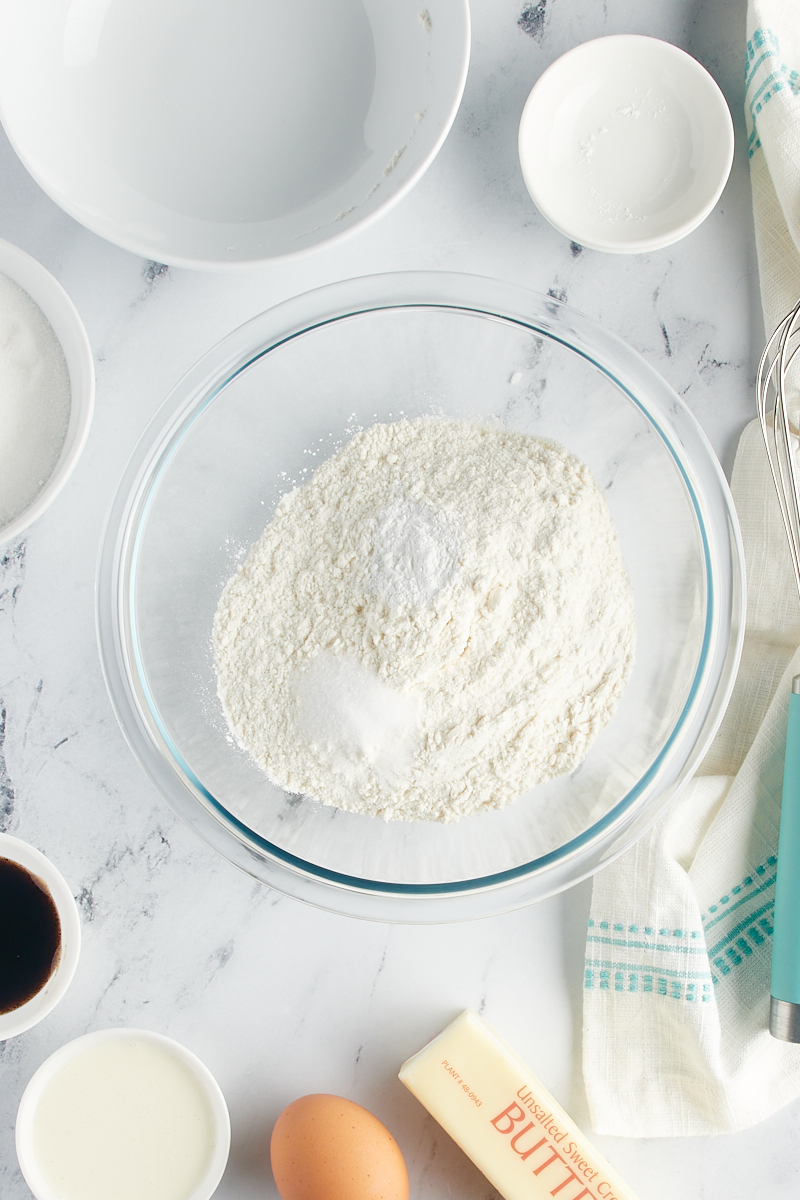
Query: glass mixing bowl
[[255, 416]]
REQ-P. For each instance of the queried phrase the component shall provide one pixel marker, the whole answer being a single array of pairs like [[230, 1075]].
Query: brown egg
[[328, 1148]]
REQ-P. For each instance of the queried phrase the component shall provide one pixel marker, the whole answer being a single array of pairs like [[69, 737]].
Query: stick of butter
[[502, 1117]]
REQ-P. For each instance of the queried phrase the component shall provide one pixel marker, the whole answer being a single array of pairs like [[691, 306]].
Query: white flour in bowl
[[437, 621]]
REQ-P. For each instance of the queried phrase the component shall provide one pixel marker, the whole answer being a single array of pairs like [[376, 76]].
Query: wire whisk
[[780, 436]]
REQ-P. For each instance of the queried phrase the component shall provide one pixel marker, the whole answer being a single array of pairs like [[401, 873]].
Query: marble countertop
[[280, 999]]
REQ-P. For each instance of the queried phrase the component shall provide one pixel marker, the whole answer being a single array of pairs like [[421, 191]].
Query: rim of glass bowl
[[709, 496]]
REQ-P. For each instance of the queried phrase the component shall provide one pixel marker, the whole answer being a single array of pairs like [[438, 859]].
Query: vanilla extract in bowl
[[30, 935]]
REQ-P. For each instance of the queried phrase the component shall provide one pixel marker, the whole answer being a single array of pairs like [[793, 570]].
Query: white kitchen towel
[[678, 950]]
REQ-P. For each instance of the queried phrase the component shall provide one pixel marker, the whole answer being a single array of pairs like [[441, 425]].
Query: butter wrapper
[[504, 1120]]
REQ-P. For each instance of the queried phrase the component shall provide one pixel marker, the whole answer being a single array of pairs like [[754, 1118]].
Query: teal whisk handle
[[784, 1016]]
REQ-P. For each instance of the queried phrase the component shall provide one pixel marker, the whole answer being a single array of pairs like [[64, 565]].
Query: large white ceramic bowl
[[66, 324], [267, 405], [224, 132], [626, 143]]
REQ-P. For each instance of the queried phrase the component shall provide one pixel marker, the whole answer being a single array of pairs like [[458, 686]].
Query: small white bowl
[[39, 1081], [56, 305], [625, 144], [35, 1009], [216, 135]]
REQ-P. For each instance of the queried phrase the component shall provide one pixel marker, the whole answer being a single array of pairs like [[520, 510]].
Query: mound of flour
[[437, 621]]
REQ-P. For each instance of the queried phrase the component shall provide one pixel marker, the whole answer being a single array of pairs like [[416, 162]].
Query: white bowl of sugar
[[46, 389]]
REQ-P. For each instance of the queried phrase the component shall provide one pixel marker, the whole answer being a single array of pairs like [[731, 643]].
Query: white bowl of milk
[[124, 1113]]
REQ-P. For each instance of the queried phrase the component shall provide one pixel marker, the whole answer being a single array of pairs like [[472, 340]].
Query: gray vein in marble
[[118, 973], [12, 574], [216, 962], [153, 272], [220, 958], [692, 346], [428, 1133], [708, 363], [87, 899], [65, 739], [532, 19], [86, 902], [7, 794], [612, 467], [32, 710], [378, 973], [11, 1052], [154, 852]]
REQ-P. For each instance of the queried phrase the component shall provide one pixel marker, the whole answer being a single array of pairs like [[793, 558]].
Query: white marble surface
[[277, 998]]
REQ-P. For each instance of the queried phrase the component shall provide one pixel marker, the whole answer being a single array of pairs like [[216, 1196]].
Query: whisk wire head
[[780, 437]]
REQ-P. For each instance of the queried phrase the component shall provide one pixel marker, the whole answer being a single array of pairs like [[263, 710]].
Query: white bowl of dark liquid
[[40, 938]]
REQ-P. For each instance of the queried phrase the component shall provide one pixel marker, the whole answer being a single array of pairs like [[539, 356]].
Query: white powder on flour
[[437, 621], [414, 553]]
